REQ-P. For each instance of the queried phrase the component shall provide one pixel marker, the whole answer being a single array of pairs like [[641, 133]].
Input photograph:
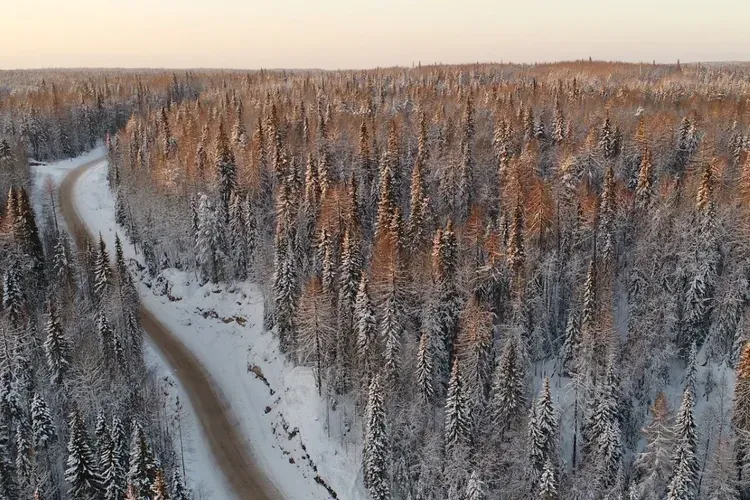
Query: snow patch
[[276, 404]]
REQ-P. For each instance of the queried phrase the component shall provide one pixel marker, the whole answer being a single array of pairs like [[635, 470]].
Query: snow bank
[[201, 474], [53, 173], [203, 477], [276, 404]]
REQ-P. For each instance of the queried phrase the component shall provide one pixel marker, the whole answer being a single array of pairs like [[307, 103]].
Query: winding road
[[217, 421]]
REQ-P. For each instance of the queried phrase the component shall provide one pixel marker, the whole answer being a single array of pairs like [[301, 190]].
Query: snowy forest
[[512, 281], [80, 417]]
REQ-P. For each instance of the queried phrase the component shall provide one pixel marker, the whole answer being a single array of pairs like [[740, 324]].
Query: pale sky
[[335, 34]]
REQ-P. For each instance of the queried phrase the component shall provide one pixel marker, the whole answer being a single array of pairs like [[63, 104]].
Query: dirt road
[[217, 421]]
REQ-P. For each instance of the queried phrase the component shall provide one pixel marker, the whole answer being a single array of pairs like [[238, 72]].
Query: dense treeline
[[522, 281], [81, 417], [56, 114]]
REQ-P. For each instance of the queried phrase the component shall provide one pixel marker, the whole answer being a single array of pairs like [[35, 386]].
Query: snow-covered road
[[271, 406]]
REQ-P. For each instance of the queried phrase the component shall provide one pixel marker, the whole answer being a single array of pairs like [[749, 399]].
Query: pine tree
[[683, 485], [61, 263], [81, 473], [391, 332], [226, 172], [558, 130], [548, 483], [159, 488], [210, 248], [366, 328], [475, 488], [509, 395], [284, 285], [238, 238], [424, 375], [179, 492], [542, 434], [375, 459], [24, 452], [119, 440], [56, 348], [458, 424], [8, 484], [607, 144], [251, 232], [106, 335], [419, 204], [142, 470], [607, 214], [43, 430], [653, 466], [112, 478], [644, 191], [103, 277], [572, 343], [14, 300]]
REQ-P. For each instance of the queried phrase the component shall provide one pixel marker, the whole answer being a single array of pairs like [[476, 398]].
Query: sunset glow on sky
[[354, 34]]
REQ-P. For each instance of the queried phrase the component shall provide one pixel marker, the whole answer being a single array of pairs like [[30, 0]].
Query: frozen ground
[[276, 403]]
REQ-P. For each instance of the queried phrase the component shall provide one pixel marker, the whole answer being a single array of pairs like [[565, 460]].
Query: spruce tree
[[475, 488], [13, 298], [458, 424], [142, 469], [81, 474], [226, 172], [509, 394], [112, 479], [542, 434], [179, 492], [119, 440], [684, 482], [159, 489], [24, 457], [424, 374], [43, 430], [548, 483], [103, 276], [56, 348], [366, 328], [375, 459], [237, 236]]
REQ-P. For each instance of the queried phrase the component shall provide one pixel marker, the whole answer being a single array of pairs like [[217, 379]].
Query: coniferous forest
[[520, 281]]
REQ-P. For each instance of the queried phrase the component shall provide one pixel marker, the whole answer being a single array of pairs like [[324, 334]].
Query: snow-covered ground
[[48, 176], [203, 477], [276, 404]]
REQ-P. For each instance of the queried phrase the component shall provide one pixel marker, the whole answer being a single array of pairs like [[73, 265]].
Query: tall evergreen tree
[[56, 348], [81, 474], [226, 172], [43, 430], [684, 482], [375, 459], [458, 418], [142, 472]]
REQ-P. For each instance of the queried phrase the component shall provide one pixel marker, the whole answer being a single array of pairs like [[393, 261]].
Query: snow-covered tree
[[43, 430], [82, 473], [56, 348], [142, 469], [375, 459], [653, 466], [684, 481]]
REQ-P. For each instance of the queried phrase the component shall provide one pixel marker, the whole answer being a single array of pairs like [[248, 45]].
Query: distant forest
[[517, 281]]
